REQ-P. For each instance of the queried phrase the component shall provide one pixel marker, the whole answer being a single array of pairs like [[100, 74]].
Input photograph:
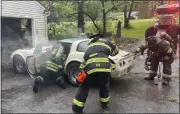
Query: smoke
[[12, 41]]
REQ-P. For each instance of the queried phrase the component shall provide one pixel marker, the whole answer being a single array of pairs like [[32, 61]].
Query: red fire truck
[[167, 18], [168, 14], [167, 21]]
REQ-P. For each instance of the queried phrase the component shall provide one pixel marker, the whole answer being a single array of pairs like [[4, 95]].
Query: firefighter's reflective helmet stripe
[[55, 65], [55, 70], [78, 103], [97, 60], [104, 100], [92, 55], [99, 44], [169, 50], [99, 70]]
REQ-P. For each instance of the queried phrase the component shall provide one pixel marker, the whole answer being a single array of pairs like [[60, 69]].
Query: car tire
[[72, 72], [19, 64]]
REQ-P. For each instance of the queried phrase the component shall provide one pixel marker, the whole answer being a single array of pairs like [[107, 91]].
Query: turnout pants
[[167, 61], [103, 80], [47, 76]]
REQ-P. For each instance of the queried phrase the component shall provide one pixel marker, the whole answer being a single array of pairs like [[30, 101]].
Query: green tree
[[96, 9]]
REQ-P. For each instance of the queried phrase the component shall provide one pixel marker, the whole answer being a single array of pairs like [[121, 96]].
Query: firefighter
[[52, 70], [97, 67], [161, 52], [151, 31], [173, 31]]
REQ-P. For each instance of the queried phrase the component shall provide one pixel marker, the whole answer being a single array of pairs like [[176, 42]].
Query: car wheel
[[73, 71], [19, 64]]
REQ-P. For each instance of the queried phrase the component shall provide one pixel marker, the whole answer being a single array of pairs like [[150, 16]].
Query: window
[[82, 46], [67, 47], [167, 11]]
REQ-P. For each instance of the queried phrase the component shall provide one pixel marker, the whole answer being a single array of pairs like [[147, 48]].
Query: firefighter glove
[[81, 77]]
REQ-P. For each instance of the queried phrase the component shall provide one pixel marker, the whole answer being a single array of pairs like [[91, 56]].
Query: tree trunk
[[125, 16], [80, 17], [104, 18], [126, 23], [118, 32], [54, 30]]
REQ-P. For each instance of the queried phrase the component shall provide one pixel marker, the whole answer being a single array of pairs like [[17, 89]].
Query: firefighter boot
[[38, 81], [61, 83], [104, 105], [150, 76], [166, 80], [77, 110]]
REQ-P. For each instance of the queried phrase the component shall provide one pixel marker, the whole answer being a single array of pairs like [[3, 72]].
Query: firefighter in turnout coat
[[96, 66], [161, 52], [52, 70]]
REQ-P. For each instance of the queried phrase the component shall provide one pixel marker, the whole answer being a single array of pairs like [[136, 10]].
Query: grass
[[138, 28]]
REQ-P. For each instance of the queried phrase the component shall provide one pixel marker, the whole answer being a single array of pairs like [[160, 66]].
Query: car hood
[[122, 54]]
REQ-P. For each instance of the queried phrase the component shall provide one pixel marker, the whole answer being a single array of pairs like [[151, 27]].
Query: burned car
[[74, 51]]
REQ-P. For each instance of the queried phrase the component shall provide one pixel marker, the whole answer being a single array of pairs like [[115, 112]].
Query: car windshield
[[82, 46]]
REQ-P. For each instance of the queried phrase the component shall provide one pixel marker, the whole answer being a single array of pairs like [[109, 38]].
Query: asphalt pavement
[[129, 94]]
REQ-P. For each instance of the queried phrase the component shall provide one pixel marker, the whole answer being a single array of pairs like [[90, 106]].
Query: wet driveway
[[130, 94]]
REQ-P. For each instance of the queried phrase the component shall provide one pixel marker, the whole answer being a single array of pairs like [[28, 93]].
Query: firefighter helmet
[[153, 40]]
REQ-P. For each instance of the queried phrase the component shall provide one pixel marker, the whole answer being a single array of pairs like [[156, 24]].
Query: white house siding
[[28, 9]]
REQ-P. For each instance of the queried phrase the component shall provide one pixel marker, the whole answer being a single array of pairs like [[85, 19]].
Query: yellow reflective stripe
[[100, 44], [51, 69], [165, 75], [169, 50], [54, 51], [166, 57], [99, 70], [113, 65], [82, 66], [49, 62], [97, 60], [138, 49], [104, 99], [78, 103], [52, 66], [94, 54]]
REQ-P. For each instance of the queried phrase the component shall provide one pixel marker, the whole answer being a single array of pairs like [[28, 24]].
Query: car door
[[33, 63]]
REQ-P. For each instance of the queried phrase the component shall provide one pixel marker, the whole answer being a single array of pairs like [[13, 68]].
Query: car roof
[[71, 40]]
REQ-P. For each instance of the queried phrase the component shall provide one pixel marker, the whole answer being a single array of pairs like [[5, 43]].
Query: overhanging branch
[[114, 7], [89, 17]]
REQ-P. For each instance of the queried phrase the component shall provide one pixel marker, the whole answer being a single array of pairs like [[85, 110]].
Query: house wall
[[28, 9]]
